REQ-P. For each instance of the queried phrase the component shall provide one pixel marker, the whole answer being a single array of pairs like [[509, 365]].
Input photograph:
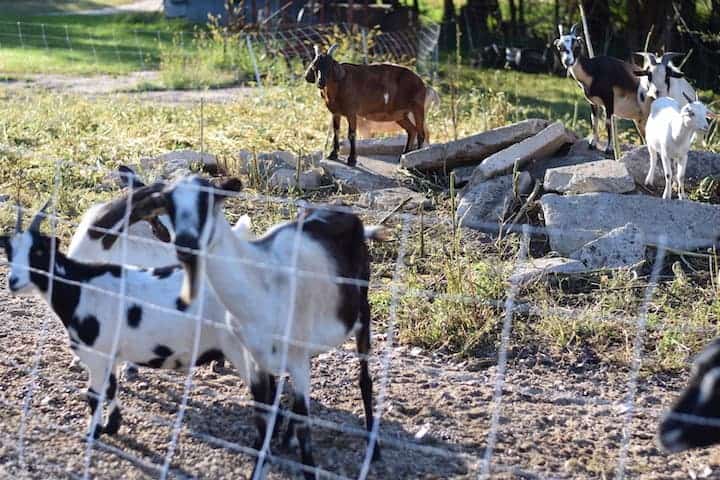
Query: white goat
[[274, 308], [670, 132], [157, 329]]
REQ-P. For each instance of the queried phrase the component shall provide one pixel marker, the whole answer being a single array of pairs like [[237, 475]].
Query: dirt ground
[[123, 85], [555, 420]]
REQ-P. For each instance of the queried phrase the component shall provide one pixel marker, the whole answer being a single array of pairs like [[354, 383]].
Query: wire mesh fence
[[142, 49], [184, 397]]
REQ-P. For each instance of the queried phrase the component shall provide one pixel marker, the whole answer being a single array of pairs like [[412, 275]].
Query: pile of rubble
[[594, 213]]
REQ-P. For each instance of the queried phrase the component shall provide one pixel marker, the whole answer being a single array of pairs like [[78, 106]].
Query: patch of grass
[[84, 44]]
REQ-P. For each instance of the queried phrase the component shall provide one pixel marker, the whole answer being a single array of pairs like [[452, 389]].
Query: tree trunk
[[513, 19], [449, 25]]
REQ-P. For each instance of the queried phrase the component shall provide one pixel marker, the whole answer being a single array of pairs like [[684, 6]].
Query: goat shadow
[[340, 452]]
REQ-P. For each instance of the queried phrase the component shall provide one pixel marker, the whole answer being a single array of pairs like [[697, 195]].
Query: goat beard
[[188, 293]]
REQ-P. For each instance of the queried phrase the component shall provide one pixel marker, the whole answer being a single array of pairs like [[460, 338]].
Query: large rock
[[179, 163], [621, 247], [471, 149], [700, 165], [535, 269], [484, 204], [574, 220], [537, 168], [544, 144], [376, 146], [389, 198], [600, 176], [355, 179]]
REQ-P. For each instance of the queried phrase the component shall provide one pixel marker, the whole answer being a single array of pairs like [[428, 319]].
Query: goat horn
[[38, 219], [18, 219], [560, 29], [332, 49], [316, 48], [573, 29], [688, 98]]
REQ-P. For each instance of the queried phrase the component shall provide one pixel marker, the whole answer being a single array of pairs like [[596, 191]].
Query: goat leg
[[336, 141], [352, 129]]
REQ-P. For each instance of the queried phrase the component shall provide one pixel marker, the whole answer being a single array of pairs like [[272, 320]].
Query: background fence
[[147, 49]]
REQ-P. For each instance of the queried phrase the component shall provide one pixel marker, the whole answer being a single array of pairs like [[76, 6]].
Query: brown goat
[[380, 92]]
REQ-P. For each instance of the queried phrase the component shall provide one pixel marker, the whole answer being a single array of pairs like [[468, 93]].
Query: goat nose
[[187, 245]]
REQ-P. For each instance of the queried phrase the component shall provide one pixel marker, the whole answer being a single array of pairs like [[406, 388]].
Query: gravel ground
[[555, 420]]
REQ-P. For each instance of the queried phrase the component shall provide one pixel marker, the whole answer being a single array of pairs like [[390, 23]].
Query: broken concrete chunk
[[355, 179], [286, 178], [473, 149], [544, 144], [484, 204], [389, 198], [621, 247], [376, 146], [574, 220], [599, 176], [537, 268]]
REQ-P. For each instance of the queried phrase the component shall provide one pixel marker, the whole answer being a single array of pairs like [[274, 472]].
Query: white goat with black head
[[157, 329], [671, 130], [607, 83], [254, 280]]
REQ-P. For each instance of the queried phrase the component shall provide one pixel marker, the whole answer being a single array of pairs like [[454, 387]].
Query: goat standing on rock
[[380, 92], [670, 132], [606, 82]]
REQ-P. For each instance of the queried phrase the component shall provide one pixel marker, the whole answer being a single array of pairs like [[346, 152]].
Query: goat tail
[[377, 233], [432, 98]]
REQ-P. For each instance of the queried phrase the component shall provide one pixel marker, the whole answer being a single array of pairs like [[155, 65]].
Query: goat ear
[[556, 43], [128, 177], [674, 73], [232, 184], [573, 29], [310, 73], [148, 207]]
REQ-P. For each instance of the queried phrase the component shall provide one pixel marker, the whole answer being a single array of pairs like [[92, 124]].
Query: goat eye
[[691, 113]]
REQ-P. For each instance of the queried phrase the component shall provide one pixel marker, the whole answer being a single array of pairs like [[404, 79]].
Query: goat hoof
[[333, 156], [99, 430], [376, 457], [130, 373], [591, 146], [218, 366], [352, 161]]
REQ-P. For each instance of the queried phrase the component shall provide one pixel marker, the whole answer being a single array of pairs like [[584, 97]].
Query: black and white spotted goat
[[157, 329], [254, 280], [606, 82], [694, 419], [660, 78]]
